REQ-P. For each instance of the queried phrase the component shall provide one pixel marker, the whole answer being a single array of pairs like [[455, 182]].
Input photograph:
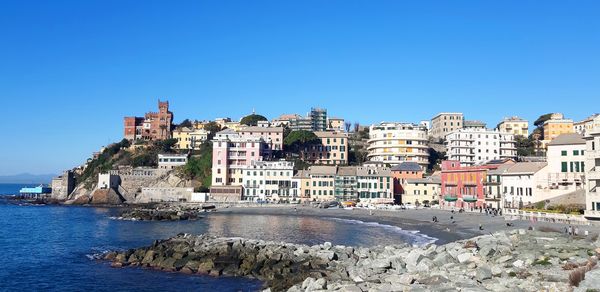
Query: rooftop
[[407, 166], [322, 170], [431, 180], [526, 167], [567, 139]]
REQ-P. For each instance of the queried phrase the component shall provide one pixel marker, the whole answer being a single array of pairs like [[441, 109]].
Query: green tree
[[252, 120], [186, 123], [542, 119], [435, 159], [299, 141]]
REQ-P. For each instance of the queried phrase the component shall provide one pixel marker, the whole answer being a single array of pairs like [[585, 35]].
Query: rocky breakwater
[[161, 214], [506, 261]]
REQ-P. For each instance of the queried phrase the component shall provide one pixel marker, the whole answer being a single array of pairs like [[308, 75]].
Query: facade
[[318, 118], [322, 180], [592, 171], [556, 126], [566, 160], [375, 185], [585, 125], [474, 125], [394, 143], [63, 186], [294, 122], [270, 181], [514, 125], [303, 183], [400, 173], [273, 136], [476, 146], [190, 138], [170, 161], [462, 186], [419, 191], [333, 149], [346, 185], [232, 153], [493, 187], [336, 124], [153, 126], [445, 123], [226, 193]]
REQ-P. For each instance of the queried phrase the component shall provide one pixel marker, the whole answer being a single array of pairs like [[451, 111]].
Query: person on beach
[[480, 226]]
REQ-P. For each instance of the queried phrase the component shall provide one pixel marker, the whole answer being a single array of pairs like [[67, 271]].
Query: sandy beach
[[461, 226]]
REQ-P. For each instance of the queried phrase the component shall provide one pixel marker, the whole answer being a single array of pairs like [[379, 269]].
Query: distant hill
[[27, 178]]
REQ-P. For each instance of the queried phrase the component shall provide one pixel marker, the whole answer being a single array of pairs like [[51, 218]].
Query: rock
[[406, 279], [464, 257], [504, 259], [496, 271], [483, 273], [307, 282], [414, 257], [518, 264], [319, 284]]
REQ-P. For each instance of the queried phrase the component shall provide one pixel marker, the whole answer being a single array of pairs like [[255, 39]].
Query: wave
[[417, 238]]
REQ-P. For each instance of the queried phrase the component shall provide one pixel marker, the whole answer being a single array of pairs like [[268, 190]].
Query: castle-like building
[[153, 126]]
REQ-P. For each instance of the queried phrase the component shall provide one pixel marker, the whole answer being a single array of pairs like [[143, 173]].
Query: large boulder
[[106, 197]]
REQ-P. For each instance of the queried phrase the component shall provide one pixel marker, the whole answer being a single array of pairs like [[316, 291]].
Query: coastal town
[[548, 172]]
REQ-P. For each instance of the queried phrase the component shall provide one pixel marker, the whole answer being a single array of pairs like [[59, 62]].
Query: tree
[[435, 159], [542, 119], [347, 126], [212, 128], [299, 141], [185, 124], [356, 127], [166, 146], [252, 120]]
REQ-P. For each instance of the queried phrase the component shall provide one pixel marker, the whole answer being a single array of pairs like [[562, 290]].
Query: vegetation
[[252, 120], [435, 159], [542, 262], [104, 162], [542, 119], [212, 128], [185, 124], [199, 167]]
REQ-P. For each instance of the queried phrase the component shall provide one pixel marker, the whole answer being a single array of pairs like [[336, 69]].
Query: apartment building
[[419, 191], [333, 149], [232, 153], [189, 138], [273, 136], [462, 186], [375, 185], [445, 123], [585, 125], [346, 184], [472, 124], [303, 184], [592, 171], [322, 180], [394, 143], [555, 126], [566, 159], [270, 181], [476, 146], [318, 117], [514, 125], [336, 124], [400, 173], [170, 161], [294, 122]]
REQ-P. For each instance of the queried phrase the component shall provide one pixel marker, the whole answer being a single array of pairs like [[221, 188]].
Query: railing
[[545, 217]]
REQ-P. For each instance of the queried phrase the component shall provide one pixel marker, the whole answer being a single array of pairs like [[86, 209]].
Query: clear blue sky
[[71, 70]]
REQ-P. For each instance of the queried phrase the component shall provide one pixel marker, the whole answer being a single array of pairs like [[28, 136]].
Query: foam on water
[[416, 237]]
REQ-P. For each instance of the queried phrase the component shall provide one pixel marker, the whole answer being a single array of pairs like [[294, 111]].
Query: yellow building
[[420, 190], [333, 149], [556, 126], [189, 138], [514, 125], [322, 183]]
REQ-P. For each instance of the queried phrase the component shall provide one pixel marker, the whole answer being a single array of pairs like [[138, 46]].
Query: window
[[563, 153], [564, 167]]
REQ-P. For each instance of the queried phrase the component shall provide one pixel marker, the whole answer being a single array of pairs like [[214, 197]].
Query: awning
[[469, 199], [450, 199]]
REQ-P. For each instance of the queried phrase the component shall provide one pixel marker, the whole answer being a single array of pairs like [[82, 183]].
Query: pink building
[[232, 153], [462, 186], [273, 136]]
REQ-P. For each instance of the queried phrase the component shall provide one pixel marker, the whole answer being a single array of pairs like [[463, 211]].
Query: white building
[[476, 146], [375, 184], [270, 181], [592, 171], [585, 125], [170, 161], [395, 143], [566, 160]]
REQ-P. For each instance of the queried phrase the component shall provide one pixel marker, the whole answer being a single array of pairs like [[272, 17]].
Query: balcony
[[594, 173]]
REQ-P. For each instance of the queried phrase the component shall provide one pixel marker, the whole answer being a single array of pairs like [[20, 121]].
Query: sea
[[53, 248]]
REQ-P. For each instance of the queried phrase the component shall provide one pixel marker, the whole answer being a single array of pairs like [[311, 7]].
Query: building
[[63, 186], [336, 124], [445, 123], [170, 161], [566, 159], [400, 173], [375, 185], [332, 150], [493, 186], [232, 153], [303, 184], [476, 146], [462, 186], [294, 122], [318, 117], [585, 125], [474, 125], [226, 193], [270, 181], [419, 191], [394, 143], [153, 126], [514, 125], [346, 184], [190, 138], [273, 136], [556, 126], [322, 183], [592, 171]]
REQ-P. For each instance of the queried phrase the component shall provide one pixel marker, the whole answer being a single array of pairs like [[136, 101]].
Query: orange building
[[402, 172]]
